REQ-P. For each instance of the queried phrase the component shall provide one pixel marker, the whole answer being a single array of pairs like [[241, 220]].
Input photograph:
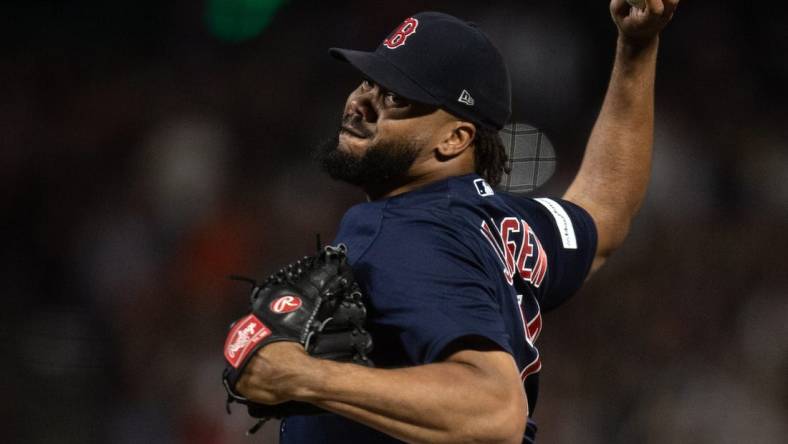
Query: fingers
[[662, 8], [670, 7], [619, 8], [655, 7], [665, 13], [642, 23]]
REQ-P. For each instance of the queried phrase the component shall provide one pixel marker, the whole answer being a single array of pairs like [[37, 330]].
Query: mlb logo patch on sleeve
[[483, 188], [562, 222]]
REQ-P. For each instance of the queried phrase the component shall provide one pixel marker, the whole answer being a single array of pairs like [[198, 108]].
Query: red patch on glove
[[243, 337]]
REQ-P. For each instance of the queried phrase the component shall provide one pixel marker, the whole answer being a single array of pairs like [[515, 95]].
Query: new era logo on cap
[[465, 97]]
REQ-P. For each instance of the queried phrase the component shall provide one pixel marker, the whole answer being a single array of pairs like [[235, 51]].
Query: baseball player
[[458, 274]]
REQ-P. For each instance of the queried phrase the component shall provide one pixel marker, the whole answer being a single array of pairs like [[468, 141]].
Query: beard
[[382, 166]]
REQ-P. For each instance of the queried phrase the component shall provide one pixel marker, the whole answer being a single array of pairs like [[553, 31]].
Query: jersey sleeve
[[428, 288], [569, 236]]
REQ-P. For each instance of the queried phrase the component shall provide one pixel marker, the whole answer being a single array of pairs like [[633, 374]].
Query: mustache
[[353, 124]]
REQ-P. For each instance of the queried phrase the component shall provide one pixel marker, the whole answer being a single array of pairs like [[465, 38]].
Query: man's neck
[[424, 172], [414, 183]]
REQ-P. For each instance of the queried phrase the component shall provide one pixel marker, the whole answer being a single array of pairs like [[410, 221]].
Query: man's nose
[[364, 106]]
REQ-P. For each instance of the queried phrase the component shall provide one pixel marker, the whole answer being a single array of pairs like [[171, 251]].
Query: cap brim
[[384, 73]]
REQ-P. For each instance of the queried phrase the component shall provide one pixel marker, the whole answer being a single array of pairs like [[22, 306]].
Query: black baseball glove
[[315, 302]]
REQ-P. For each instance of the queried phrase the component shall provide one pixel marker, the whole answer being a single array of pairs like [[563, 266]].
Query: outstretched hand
[[637, 25]]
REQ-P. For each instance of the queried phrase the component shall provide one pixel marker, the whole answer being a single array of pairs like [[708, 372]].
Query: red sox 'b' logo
[[401, 34], [285, 304]]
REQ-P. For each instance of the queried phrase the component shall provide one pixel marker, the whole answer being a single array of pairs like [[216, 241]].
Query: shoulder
[[428, 230], [424, 215]]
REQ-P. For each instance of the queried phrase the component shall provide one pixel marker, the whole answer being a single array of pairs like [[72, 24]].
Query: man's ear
[[459, 137]]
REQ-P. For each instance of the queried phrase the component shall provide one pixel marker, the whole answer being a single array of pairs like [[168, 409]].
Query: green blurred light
[[239, 20]]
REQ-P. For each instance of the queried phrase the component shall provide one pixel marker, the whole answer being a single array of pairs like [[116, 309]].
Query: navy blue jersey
[[454, 260]]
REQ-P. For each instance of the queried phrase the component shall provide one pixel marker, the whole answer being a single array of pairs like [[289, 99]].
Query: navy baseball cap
[[437, 59]]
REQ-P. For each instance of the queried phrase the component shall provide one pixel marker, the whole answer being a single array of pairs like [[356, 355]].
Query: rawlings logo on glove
[[245, 334], [285, 304]]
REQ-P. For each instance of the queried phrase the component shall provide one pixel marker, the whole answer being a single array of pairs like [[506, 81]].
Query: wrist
[[636, 47], [310, 381]]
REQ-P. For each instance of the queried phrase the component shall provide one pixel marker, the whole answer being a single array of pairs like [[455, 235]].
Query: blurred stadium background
[[150, 148]]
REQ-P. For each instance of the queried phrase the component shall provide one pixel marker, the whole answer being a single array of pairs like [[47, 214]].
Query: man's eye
[[395, 100]]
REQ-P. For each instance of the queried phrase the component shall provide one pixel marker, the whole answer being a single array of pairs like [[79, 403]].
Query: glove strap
[[235, 397], [260, 422], [231, 396]]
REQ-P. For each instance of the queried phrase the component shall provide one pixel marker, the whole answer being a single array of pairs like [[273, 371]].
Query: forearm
[[615, 171], [442, 402]]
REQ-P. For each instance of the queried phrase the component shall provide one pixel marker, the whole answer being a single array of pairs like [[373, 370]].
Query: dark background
[[150, 148]]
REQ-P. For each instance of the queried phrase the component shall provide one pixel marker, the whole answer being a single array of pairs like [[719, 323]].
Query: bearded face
[[383, 162], [381, 137]]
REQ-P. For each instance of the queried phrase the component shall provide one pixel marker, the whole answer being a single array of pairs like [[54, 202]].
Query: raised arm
[[616, 167]]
